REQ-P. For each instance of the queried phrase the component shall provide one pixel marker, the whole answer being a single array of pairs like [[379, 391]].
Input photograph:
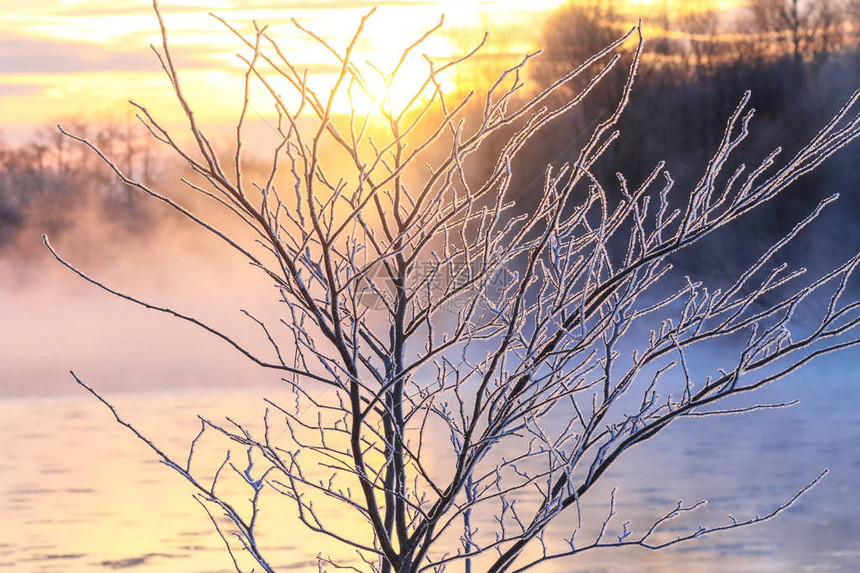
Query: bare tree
[[471, 358], [807, 27], [575, 32], [701, 23]]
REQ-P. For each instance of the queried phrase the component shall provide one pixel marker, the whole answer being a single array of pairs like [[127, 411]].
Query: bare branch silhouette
[[478, 363]]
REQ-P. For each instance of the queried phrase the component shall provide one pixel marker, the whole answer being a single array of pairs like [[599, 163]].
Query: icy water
[[78, 493]]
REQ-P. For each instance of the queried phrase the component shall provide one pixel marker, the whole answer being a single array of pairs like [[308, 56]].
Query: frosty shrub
[[451, 362]]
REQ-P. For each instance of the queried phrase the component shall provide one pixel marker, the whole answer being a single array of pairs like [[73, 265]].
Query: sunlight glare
[[85, 54]]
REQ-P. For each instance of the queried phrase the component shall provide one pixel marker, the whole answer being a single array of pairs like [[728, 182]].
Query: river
[[78, 493]]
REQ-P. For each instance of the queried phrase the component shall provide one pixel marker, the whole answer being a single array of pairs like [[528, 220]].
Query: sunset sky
[[63, 58]]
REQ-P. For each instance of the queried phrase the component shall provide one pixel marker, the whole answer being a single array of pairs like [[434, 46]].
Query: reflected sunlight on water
[[80, 494]]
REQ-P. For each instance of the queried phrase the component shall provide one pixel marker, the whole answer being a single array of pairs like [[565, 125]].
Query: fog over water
[[54, 321], [80, 494]]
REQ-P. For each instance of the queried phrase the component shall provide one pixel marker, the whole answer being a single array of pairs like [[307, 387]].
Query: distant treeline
[[799, 58], [801, 62], [54, 184]]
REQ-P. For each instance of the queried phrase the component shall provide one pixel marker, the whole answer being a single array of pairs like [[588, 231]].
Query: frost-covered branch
[[483, 367]]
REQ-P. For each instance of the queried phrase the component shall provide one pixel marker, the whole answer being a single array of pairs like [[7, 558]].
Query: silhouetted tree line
[[52, 185], [799, 59]]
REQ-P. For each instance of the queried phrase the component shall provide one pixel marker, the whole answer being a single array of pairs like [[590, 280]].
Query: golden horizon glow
[[86, 56]]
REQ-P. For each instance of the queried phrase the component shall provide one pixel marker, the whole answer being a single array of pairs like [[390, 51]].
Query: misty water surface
[[78, 493]]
